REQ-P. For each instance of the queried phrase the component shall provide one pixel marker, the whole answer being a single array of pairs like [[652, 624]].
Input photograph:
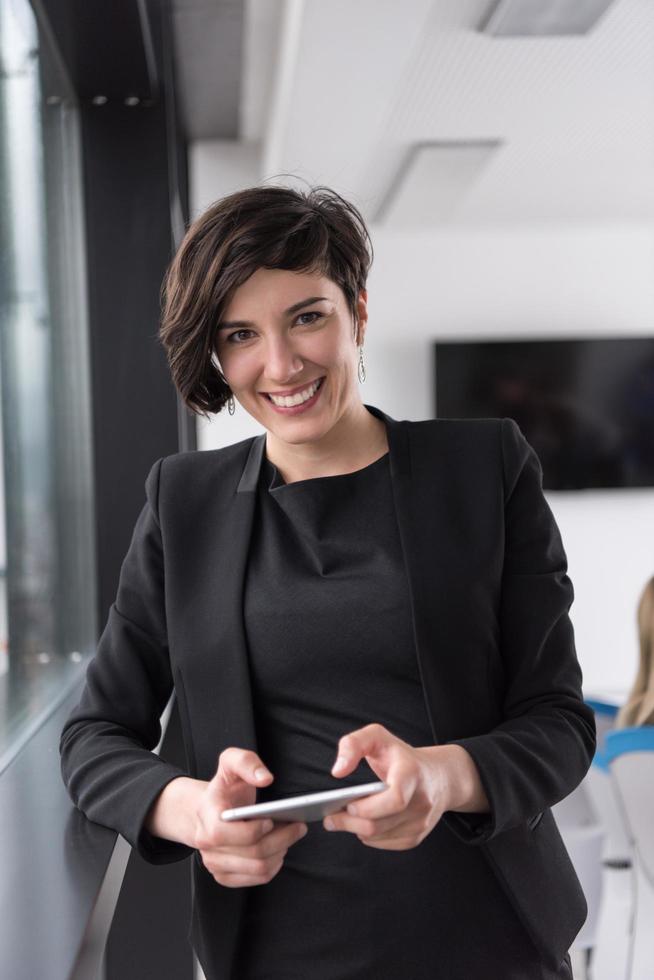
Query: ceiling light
[[432, 182], [542, 18]]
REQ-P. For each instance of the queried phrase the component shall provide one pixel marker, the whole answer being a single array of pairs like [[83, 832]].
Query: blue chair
[[600, 791], [629, 753], [583, 831], [610, 955]]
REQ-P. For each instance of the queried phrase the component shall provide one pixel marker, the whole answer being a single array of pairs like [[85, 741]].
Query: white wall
[[553, 281], [539, 283]]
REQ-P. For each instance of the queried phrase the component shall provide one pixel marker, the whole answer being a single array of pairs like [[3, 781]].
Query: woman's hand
[[420, 789], [242, 852]]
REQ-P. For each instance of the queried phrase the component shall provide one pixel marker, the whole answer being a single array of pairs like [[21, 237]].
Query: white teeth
[[287, 401]]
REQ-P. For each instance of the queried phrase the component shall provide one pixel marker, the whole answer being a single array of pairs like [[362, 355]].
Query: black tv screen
[[586, 406]]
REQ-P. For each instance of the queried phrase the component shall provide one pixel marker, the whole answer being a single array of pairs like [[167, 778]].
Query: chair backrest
[[630, 756], [602, 794], [576, 809], [605, 715], [601, 791]]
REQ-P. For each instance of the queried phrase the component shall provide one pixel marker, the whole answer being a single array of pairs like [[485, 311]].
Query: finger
[[251, 870], [244, 881], [396, 836], [240, 833], [392, 843], [227, 833], [367, 742], [278, 840], [402, 780], [238, 765], [370, 828], [238, 881], [391, 826], [363, 827]]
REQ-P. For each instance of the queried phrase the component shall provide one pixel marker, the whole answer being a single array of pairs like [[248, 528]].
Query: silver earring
[[361, 371], [231, 405]]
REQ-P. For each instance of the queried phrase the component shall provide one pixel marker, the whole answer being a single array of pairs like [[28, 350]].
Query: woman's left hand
[[418, 781]]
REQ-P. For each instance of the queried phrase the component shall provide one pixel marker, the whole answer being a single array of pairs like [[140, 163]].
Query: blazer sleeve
[[544, 746], [106, 744]]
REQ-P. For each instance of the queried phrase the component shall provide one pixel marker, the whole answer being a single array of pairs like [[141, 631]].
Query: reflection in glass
[[46, 541]]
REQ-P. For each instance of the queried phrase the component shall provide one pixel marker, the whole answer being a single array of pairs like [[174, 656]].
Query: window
[[47, 560]]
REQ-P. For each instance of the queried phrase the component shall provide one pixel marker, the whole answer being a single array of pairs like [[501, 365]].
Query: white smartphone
[[312, 806]]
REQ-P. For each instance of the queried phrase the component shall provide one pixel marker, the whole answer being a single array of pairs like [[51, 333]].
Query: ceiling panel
[[208, 42], [367, 81]]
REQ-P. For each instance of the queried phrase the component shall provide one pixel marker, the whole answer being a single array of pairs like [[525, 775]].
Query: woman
[[345, 585], [639, 706]]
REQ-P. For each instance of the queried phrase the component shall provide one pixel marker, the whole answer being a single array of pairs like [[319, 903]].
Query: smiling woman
[[266, 303], [296, 372], [391, 593], [257, 230]]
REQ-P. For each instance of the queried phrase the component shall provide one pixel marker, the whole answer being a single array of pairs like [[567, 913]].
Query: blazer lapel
[[213, 628], [414, 538]]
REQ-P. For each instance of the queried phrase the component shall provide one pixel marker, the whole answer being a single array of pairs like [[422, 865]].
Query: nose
[[282, 360]]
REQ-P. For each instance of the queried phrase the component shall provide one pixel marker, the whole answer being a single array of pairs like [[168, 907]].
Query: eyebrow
[[241, 324]]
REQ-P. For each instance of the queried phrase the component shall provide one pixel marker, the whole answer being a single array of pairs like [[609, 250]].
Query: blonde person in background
[[639, 706]]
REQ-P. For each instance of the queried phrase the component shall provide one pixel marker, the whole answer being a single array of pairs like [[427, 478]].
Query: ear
[[362, 315]]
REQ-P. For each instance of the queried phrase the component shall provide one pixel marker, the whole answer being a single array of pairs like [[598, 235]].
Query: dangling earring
[[361, 371], [231, 405]]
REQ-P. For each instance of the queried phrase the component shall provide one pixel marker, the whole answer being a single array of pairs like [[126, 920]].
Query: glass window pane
[[47, 601]]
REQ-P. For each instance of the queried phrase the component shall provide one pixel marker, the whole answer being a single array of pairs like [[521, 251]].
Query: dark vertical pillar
[[128, 248], [133, 183], [135, 422], [130, 185]]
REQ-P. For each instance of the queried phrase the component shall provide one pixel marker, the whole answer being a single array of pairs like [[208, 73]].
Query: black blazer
[[495, 647]]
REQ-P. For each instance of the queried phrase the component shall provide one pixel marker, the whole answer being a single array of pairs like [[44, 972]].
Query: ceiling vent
[[543, 18]]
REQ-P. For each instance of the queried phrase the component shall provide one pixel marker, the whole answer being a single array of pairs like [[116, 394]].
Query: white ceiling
[[343, 92]]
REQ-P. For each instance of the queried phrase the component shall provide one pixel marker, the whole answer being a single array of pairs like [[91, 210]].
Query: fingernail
[[260, 773], [340, 762], [352, 809], [329, 823]]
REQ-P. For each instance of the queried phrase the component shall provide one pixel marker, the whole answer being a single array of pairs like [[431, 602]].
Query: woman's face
[[281, 333]]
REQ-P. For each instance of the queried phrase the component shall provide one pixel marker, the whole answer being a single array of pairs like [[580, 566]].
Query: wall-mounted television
[[585, 405]]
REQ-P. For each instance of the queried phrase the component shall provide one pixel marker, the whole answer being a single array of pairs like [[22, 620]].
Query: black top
[[331, 646]]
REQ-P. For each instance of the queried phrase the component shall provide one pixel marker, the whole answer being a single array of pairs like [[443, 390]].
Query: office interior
[[502, 154]]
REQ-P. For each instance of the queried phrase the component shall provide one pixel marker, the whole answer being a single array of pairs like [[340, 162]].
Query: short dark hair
[[268, 227]]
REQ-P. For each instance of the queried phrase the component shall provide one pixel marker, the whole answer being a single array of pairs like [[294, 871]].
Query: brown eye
[[236, 333], [314, 314]]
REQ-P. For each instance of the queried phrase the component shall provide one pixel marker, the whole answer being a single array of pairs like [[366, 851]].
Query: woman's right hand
[[240, 853]]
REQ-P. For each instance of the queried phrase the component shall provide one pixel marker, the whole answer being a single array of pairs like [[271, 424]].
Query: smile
[[299, 401]]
